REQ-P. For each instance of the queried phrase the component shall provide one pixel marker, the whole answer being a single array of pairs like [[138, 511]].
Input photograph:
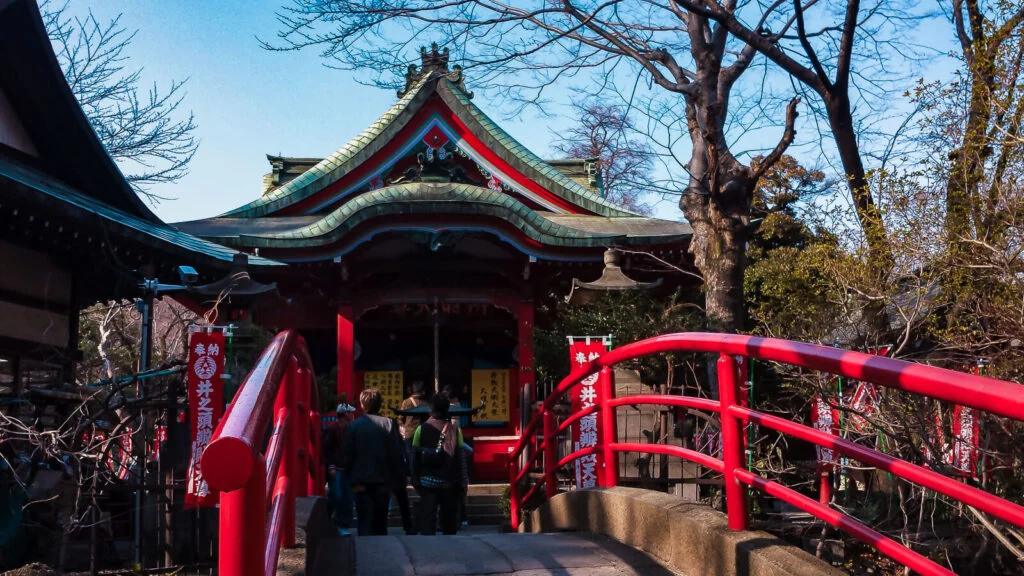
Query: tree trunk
[[719, 251], [840, 117]]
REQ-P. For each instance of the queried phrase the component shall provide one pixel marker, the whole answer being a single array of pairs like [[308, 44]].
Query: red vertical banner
[[863, 405], [586, 433], [826, 419], [205, 406], [965, 440]]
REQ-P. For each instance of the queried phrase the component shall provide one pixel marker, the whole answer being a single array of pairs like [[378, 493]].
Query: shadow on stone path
[[481, 552]]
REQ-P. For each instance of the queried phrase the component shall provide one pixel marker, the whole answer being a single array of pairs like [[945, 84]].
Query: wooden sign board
[[490, 388], [391, 387]]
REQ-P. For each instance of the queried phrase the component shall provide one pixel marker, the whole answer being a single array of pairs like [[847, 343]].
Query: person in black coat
[[374, 464]]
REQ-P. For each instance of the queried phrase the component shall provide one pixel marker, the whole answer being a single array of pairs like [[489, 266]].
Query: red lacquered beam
[[987, 394], [885, 545], [1003, 509], [677, 451], [228, 460], [666, 400], [274, 524]]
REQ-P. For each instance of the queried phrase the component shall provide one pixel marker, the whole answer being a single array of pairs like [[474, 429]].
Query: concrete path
[[560, 554]]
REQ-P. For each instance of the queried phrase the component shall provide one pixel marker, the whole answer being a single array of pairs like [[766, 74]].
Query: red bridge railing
[[258, 487], [985, 394]]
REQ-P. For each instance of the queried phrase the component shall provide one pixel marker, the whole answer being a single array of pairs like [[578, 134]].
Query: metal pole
[[145, 356], [437, 349]]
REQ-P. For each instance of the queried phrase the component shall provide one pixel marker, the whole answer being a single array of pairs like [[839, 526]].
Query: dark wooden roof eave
[[35, 85]]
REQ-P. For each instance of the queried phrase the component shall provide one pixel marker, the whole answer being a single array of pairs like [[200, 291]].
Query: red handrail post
[[732, 443], [317, 478], [825, 494], [550, 457], [300, 435], [609, 434], [243, 525], [289, 467], [513, 493]]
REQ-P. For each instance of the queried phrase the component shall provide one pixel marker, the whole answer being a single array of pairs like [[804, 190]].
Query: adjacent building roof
[[66, 169], [37, 90]]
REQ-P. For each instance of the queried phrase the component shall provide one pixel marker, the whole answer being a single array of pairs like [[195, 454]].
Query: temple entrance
[[439, 345], [470, 349]]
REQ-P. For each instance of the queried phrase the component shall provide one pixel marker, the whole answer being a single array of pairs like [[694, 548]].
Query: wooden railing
[[985, 394], [258, 487]]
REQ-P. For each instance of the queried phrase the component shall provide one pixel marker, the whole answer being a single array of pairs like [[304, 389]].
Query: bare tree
[[680, 51], [992, 52], [607, 133], [825, 59], [144, 131]]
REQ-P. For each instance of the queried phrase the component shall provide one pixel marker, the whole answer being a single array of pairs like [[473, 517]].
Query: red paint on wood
[[346, 353]]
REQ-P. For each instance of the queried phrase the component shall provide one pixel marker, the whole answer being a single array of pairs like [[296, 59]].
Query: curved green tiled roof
[[357, 151], [340, 162], [531, 165], [437, 198]]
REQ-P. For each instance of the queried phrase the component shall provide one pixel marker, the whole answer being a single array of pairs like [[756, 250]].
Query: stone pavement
[[489, 552]]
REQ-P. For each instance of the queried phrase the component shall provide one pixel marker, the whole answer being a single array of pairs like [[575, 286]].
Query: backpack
[[433, 459]]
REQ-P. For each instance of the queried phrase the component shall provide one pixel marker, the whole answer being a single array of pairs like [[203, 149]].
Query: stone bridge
[[602, 532]]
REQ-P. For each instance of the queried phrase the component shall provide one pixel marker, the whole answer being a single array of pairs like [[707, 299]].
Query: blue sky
[[249, 102]]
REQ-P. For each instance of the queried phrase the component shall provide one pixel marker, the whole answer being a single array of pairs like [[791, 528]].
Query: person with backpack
[[437, 470]]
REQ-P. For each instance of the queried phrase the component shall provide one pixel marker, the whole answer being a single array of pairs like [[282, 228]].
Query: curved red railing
[[985, 394], [259, 487]]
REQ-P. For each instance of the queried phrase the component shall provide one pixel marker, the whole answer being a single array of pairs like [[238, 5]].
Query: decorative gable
[[433, 134]]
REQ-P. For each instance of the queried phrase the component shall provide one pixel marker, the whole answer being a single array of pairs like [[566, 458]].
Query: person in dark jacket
[[401, 493], [438, 477], [373, 464], [339, 493]]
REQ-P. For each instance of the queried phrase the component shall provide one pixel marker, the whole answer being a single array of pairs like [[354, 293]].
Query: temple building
[[420, 250]]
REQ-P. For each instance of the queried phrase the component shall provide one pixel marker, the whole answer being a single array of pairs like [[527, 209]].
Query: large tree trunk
[[719, 222]]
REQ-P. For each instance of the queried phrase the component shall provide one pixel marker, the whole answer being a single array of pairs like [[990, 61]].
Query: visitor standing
[[465, 456], [437, 446], [373, 463], [401, 492], [410, 423], [339, 493]]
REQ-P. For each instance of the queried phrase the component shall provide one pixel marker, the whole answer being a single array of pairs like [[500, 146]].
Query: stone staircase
[[482, 507]]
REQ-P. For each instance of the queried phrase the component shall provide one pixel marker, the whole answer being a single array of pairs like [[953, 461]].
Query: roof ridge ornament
[[434, 60]]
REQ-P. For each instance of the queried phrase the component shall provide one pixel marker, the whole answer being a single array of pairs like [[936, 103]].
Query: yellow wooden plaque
[[389, 384], [490, 388]]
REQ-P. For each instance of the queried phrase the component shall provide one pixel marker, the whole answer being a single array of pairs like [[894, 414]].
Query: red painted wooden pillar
[[524, 318], [346, 353]]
